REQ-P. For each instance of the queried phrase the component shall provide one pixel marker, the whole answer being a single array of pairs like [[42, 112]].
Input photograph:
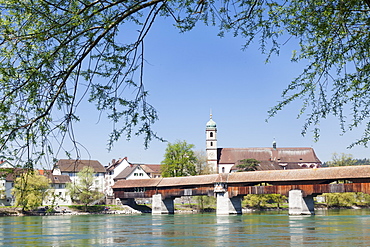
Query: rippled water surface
[[326, 228]]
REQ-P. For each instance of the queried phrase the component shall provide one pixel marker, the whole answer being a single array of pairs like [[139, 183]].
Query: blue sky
[[188, 74]]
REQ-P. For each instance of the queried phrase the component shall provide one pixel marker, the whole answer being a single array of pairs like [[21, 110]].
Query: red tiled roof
[[151, 168], [58, 179], [268, 155], [78, 165], [115, 164]]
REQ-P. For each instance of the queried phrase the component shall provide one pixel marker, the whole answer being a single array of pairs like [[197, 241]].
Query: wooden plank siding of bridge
[[310, 181]]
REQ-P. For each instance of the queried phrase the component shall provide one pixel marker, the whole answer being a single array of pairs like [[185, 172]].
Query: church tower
[[211, 144]]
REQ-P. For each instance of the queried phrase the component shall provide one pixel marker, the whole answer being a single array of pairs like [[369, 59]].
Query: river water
[[326, 228]]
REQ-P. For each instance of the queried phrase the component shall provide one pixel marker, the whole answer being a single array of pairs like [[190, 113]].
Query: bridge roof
[[319, 174], [332, 173], [190, 180], [151, 182]]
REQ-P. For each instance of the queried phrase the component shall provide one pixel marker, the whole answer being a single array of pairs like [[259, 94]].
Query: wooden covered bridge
[[299, 185]]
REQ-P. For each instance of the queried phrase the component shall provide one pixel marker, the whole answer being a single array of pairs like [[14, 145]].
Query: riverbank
[[141, 209], [66, 211]]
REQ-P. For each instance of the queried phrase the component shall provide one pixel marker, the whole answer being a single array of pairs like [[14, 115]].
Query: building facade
[[225, 160], [72, 167]]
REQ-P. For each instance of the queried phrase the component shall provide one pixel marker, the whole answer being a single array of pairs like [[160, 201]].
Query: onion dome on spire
[[211, 123]]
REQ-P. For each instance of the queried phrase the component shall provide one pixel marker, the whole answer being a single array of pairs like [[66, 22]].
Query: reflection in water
[[300, 229], [327, 228]]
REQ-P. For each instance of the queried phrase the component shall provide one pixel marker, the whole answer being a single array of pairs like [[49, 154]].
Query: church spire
[[211, 123], [211, 144]]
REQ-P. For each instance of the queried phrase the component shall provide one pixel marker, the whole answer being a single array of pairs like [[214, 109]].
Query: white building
[[112, 172], [6, 184], [123, 169], [132, 172], [59, 194], [72, 167]]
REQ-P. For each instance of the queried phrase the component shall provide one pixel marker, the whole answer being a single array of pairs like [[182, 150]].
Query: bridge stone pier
[[300, 205], [162, 206], [226, 205]]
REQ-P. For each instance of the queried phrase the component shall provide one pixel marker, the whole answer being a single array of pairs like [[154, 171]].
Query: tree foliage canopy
[[247, 165], [202, 167], [56, 53], [83, 190], [30, 189], [341, 160], [179, 160]]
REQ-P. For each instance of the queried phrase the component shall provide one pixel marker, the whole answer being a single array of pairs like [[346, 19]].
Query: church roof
[[295, 155], [269, 158]]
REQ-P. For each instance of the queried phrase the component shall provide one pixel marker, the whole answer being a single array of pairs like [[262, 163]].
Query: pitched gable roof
[[270, 158], [77, 165], [126, 172], [116, 163], [296, 155], [151, 168], [59, 179]]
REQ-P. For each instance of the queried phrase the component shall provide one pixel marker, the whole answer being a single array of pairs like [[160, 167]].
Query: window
[[135, 174], [141, 174], [211, 134], [223, 169], [211, 144]]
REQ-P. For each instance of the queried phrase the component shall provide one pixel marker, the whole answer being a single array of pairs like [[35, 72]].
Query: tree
[[179, 160], [83, 189], [362, 162], [346, 199], [247, 165], [205, 202], [30, 189], [261, 200], [202, 167], [57, 53], [341, 160]]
